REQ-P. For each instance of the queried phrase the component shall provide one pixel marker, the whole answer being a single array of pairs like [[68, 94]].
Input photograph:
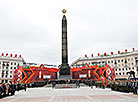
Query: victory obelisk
[[64, 72]]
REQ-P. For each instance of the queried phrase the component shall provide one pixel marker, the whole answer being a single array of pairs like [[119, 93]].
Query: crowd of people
[[8, 89]]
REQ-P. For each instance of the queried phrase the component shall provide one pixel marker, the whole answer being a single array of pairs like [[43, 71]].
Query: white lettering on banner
[[82, 75], [46, 76]]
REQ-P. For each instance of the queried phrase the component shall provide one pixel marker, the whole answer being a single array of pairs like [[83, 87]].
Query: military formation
[[8, 89]]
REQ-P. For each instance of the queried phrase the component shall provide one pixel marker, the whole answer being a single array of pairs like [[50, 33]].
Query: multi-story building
[[122, 62], [7, 66]]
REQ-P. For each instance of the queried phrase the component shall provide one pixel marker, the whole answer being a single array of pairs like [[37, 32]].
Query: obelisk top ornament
[[64, 11]]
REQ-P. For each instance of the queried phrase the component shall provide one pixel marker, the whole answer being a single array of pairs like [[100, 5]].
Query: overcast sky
[[32, 28]]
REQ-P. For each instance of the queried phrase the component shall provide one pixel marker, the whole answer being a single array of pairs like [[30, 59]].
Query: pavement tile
[[106, 97], [131, 95], [83, 94], [36, 99], [71, 98], [6, 99]]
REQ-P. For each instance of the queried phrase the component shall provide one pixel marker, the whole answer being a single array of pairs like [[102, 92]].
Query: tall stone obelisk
[[64, 71]]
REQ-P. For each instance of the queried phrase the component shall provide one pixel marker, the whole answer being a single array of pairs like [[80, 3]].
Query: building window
[[2, 75], [118, 65], [6, 81], [131, 59], [10, 76], [10, 71], [14, 63], [112, 61], [126, 68], [132, 63], [129, 68], [133, 68], [7, 64], [116, 74], [123, 69], [14, 67], [6, 72], [118, 60], [11, 63], [11, 67], [123, 73], [128, 59], [119, 73], [122, 64], [115, 69], [6, 67], [6, 76], [108, 61], [2, 81]]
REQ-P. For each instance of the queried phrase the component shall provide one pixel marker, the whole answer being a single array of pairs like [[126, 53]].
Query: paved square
[[83, 94]]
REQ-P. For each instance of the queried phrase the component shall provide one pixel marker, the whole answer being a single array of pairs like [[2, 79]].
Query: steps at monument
[[83, 85], [65, 85], [48, 85], [59, 86]]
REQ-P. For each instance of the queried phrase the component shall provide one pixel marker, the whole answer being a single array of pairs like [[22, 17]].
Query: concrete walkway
[[83, 94]]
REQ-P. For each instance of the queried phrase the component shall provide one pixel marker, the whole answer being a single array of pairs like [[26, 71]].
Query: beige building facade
[[122, 63], [8, 64]]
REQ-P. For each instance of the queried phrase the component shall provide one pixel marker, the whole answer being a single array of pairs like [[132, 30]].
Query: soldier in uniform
[[25, 87], [1, 90], [53, 84]]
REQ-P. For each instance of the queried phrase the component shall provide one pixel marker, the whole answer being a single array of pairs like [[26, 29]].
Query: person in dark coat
[[1, 90], [18, 87], [53, 84], [25, 87]]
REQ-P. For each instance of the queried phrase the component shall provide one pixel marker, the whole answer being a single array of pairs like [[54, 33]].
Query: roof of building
[[106, 57], [11, 58]]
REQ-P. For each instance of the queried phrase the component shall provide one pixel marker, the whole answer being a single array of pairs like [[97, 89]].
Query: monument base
[[64, 69], [64, 77]]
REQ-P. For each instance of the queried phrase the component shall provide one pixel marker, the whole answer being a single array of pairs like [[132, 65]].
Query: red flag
[[85, 55], [91, 55], [2, 54], [133, 49], [10, 55], [111, 53], [15, 55], [6, 54]]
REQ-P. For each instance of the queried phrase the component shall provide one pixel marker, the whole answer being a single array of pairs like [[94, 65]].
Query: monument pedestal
[[64, 72], [65, 77]]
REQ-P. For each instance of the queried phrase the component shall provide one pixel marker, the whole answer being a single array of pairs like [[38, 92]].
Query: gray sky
[[32, 28]]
